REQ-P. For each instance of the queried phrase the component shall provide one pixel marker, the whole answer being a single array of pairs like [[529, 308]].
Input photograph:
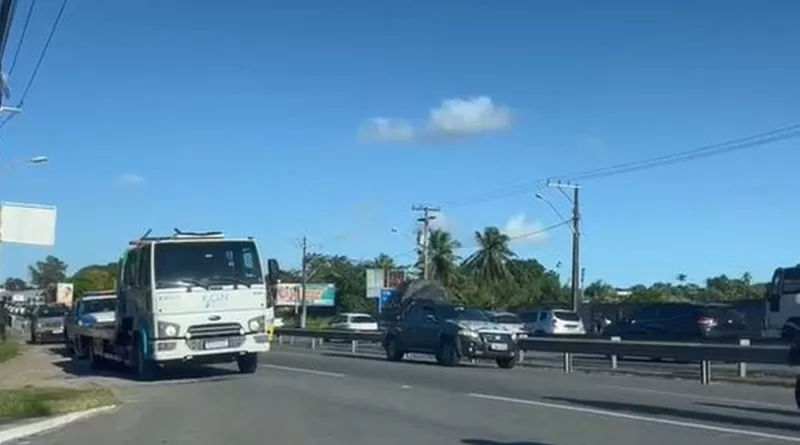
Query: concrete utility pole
[[426, 225], [303, 283], [576, 239]]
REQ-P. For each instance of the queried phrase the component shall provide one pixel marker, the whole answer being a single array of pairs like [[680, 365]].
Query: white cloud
[[454, 118], [522, 231], [385, 130], [131, 179]]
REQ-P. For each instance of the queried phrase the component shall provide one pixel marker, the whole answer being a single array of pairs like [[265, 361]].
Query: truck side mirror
[[273, 271]]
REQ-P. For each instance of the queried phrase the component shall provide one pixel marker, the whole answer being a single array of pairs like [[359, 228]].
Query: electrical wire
[[22, 35], [39, 61], [755, 140], [511, 238]]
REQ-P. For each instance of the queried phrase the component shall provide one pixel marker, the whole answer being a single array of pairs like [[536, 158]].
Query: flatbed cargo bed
[[104, 331]]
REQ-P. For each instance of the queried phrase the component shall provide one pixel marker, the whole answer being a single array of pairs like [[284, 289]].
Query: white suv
[[553, 322]]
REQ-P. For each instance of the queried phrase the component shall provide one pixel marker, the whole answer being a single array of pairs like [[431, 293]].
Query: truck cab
[[188, 298]]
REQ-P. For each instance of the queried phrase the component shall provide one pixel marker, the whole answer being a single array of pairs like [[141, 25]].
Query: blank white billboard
[[27, 224]]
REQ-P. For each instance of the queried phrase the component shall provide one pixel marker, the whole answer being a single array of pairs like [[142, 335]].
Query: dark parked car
[[681, 322], [450, 333]]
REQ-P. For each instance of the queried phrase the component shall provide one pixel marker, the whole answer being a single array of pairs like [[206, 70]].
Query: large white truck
[[782, 304], [187, 298]]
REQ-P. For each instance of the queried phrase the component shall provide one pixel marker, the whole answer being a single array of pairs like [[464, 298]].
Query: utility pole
[[303, 283], [576, 238], [425, 219]]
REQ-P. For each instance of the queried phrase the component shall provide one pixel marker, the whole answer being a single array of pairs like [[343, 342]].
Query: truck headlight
[[257, 324], [167, 329]]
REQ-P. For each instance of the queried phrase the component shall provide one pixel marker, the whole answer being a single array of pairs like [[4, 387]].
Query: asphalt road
[[302, 398], [636, 366]]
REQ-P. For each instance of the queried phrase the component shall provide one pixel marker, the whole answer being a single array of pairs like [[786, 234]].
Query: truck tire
[[247, 364], [145, 370], [447, 354], [392, 353]]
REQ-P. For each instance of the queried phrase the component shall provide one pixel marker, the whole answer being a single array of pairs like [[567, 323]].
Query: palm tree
[[442, 257], [384, 262], [490, 263]]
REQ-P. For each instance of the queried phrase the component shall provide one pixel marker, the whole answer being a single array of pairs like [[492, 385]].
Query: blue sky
[[258, 118]]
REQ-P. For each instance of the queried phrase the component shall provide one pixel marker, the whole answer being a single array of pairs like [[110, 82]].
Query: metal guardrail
[[614, 348]]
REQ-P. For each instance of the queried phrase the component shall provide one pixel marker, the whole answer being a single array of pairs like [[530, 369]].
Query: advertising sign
[[317, 294], [375, 281], [64, 293]]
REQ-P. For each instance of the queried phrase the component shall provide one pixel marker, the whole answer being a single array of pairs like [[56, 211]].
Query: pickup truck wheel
[[248, 363], [797, 391], [392, 353], [447, 354], [95, 361], [506, 362]]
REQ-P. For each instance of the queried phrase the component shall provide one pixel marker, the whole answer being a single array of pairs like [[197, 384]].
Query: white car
[[354, 321], [553, 322]]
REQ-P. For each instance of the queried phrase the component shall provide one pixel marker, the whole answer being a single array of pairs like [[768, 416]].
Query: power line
[[39, 61], [22, 35], [755, 140], [511, 238]]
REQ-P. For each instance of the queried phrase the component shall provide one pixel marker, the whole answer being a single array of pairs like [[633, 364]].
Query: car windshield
[[567, 315], [51, 311], [206, 263], [99, 305], [462, 313], [506, 319]]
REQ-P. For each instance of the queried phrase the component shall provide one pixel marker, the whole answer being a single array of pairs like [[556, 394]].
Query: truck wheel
[[507, 362], [145, 370], [447, 354], [392, 353], [248, 363]]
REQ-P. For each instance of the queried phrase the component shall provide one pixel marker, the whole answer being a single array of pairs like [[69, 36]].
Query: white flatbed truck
[[187, 298]]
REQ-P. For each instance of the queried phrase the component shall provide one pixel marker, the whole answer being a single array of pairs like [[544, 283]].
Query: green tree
[[489, 263], [46, 274], [15, 284]]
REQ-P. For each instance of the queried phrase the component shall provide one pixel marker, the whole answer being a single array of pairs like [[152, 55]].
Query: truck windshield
[[791, 280], [206, 263], [51, 311]]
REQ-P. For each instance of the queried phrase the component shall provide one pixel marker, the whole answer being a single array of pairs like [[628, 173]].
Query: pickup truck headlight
[[167, 329], [257, 324], [469, 333]]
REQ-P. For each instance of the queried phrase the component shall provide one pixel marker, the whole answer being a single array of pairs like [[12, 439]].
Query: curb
[[42, 426]]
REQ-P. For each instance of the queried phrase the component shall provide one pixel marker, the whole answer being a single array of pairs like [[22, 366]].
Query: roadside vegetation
[[8, 350], [30, 402]]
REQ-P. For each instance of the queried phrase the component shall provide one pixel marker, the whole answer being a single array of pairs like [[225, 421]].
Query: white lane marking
[[639, 418], [304, 370], [702, 397], [406, 386]]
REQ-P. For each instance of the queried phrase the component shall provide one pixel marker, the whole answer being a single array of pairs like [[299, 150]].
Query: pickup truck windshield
[[51, 311], [99, 305], [206, 263], [791, 280]]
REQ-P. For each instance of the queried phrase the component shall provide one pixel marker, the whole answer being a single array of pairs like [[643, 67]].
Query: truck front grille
[[496, 337], [215, 330]]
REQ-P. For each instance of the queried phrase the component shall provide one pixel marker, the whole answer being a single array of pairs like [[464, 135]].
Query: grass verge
[[38, 402], [8, 350]]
